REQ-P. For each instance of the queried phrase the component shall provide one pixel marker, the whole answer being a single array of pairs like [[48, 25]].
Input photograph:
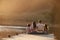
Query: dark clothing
[[34, 25]]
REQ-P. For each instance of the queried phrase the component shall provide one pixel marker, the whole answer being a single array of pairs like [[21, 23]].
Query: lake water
[[12, 30]]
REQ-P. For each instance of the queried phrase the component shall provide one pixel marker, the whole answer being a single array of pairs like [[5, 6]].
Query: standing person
[[46, 28], [40, 26], [34, 28], [28, 30]]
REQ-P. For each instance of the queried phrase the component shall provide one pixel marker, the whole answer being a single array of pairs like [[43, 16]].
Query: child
[[28, 29]]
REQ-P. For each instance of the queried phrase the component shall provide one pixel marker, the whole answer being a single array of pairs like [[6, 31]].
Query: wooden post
[[57, 19]]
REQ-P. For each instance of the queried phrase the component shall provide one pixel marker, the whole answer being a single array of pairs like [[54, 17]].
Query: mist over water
[[14, 11], [7, 30]]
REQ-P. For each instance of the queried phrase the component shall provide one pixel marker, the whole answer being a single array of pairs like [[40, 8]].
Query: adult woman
[[33, 28]]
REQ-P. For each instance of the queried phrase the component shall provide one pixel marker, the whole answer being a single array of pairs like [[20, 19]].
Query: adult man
[[40, 26]]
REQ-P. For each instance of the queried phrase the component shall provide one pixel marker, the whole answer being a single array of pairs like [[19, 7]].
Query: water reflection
[[10, 30], [13, 30]]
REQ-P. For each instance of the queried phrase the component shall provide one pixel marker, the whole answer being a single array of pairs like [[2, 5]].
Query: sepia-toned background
[[15, 12], [21, 12]]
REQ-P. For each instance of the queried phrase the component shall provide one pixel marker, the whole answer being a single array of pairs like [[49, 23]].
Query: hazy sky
[[11, 10], [20, 6]]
